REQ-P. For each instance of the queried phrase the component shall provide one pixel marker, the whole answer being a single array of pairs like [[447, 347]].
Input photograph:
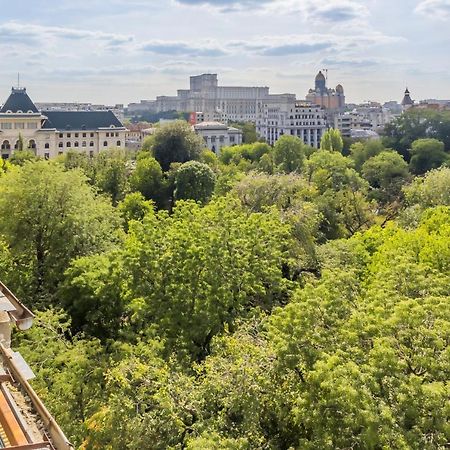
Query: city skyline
[[143, 49]]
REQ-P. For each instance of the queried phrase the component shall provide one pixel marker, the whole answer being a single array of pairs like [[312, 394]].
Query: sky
[[122, 51]]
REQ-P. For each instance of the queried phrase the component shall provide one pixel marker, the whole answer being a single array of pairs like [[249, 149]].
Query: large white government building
[[52, 133], [232, 103]]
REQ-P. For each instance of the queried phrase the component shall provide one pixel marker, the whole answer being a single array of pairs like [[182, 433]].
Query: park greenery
[[278, 297]]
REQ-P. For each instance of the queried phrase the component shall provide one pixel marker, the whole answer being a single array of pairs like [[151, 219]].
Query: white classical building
[[51, 133], [293, 118], [217, 135]]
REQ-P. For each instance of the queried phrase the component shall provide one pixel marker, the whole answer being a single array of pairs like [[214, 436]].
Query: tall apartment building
[[294, 118], [50, 133]]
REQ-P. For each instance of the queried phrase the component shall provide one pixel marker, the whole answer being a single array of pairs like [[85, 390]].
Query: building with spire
[[407, 101], [331, 99], [52, 133]]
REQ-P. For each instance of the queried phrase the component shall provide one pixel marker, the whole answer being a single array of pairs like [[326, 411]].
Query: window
[[6, 126], [6, 145], [92, 134], [107, 134], [61, 135], [105, 144], [83, 144], [91, 153], [76, 134], [232, 139], [118, 143], [117, 134], [47, 145], [68, 144], [19, 126], [32, 144], [91, 144], [5, 155], [46, 155], [32, 125], [60, 145], [69, 135], [76, 144], [60, 153], [84, 134]]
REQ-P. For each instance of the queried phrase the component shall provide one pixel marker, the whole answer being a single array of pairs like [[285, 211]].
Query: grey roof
[[80, 120], [19, 101]]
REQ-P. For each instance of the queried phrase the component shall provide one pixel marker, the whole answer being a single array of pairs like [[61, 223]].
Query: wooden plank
[[9, 423]]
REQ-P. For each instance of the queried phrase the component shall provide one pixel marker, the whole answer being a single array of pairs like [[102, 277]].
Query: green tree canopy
[[147, 178], [386, 173], [289, 154], [427, 154], [47, 217], [175, 142], [332, 141], [194, 181]]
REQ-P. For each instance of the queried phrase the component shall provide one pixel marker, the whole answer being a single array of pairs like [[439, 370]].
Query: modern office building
[[53, 132], [303, 120]]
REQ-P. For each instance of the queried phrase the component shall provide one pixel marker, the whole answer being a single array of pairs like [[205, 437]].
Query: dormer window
[[30, 112], [19, 111]]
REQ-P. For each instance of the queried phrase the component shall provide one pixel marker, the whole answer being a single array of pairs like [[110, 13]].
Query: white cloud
[[30, 34], [435, 9]]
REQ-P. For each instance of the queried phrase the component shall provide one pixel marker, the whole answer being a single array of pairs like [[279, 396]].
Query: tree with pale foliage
[[332, 141]]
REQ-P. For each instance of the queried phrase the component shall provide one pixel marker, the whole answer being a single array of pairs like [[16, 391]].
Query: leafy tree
[[69, 370], [417, 124], [194, 180], [342, 199], [431, 190], [210, 158], [288, 154], [147, 178], [360, 152], [249, 135], [427, 154], [175, 142], [90, 293], [111, 173], [332, 141], [49, 216], [187, 276], [386, 173], [134, 207], [20, 157]]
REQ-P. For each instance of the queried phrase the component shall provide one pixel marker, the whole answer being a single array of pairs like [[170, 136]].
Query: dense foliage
[[264, 298]]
